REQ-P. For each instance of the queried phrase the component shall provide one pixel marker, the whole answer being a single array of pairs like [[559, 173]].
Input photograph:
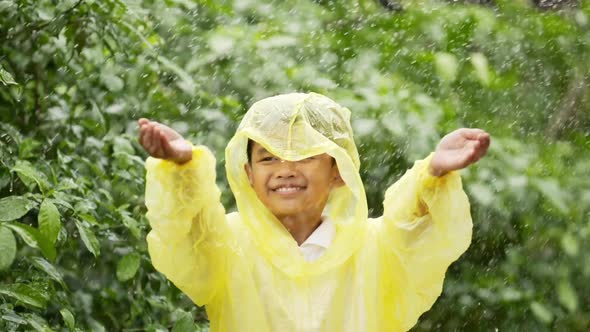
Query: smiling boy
[[296, 192], [301, 254]]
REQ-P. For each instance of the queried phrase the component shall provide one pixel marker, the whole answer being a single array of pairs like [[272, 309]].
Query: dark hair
[[249, 150]]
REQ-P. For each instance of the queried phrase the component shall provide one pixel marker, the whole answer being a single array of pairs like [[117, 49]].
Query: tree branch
[[391, 5]]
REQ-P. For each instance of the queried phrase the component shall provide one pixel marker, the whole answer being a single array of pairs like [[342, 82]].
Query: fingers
[[150, 137], [478, 148], [141, 136], [143, 128], [157, 141], [485, 141], [165, 144], [478, 143], [471, 152], [462, 148], [148, 140], [472, 133], [168, 132]]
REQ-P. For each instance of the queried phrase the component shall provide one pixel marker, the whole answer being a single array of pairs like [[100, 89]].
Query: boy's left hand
[[458, 150]]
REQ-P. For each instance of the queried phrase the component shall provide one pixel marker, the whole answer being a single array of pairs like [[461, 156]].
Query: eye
[[268, 159]]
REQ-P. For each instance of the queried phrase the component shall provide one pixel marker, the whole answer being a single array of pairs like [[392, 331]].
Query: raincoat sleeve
[[426, 226], [188, 224]]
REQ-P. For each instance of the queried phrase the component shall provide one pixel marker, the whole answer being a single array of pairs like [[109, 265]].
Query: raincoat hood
[[293, 127]]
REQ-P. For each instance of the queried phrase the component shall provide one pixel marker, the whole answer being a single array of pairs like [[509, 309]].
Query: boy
[[300, 254]]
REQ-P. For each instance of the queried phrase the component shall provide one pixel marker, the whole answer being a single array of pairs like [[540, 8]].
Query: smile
[[288, 189]]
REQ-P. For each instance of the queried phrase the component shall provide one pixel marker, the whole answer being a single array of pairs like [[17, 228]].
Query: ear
[[337, 181], [248, 169]]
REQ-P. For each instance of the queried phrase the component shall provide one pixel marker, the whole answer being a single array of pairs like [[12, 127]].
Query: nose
[[286, 169]]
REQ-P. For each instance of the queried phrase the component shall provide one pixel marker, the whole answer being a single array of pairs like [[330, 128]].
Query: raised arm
[[426, 223], [189, 230]]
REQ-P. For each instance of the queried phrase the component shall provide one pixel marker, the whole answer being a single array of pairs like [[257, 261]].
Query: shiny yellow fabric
[[378, 274]]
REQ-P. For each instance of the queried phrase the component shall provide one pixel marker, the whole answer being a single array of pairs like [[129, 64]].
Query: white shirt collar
[[321, 236]]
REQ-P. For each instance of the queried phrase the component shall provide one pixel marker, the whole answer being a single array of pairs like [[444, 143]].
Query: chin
[[284, 212]]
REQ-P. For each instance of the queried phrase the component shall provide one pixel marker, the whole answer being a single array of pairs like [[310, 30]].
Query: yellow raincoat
[[377, 275]]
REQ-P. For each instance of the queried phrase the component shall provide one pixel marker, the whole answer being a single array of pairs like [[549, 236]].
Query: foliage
[[74, 76]]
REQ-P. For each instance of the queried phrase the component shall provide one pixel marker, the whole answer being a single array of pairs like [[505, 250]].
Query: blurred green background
[[75, 76]]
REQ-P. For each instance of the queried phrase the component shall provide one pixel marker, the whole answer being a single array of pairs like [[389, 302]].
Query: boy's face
[[289, 188]]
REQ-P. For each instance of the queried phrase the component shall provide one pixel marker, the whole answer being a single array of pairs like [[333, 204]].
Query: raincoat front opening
[[377, 275]]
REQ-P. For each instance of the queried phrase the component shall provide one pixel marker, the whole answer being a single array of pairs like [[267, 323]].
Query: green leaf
[[7, 248], [570, 244], [34, 239], [132, 225], [11, 134], [567, 296], [446, 66], [510, 294], [482, 71], [51, 271], [112, 82], [46, 246], [26, 294], [6, 77], [122, 145], [68, 318], [64, 5], [45, 13], [26, 233], [85, 206], [551, 189], [49, 221], [13, 317], [28, 148], [185, 323], [5, 4], [87, 217], [38, 323], [61, 89], [28, 174], [61, 198], [88, 238], [128, 266], [4, 176], [541, 312], [14, 207], [58, 113]]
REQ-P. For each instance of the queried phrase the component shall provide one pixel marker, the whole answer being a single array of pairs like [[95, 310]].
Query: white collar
[[321, 236]]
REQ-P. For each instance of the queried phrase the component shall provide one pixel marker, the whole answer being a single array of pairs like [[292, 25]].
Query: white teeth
[[288, 189]]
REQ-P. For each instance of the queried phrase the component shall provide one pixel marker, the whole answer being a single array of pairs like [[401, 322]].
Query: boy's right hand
[[163, 142]]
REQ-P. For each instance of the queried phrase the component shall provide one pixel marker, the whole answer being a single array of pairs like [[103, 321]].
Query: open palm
[[459, 149], [163, 142]]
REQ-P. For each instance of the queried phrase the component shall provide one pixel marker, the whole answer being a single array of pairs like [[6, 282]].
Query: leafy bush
[[75, 75]]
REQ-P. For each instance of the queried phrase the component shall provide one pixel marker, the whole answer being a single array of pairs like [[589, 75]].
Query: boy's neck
[[301, 226]]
